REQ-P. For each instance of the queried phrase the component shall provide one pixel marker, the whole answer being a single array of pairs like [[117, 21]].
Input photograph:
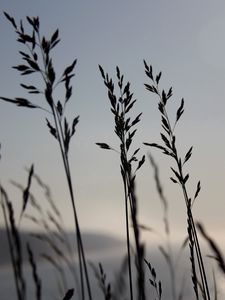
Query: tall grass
[[180, 176], [125, 129], [15, 244], [37, 59], [49, 221]]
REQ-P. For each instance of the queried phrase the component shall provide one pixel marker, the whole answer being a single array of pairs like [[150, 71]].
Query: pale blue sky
[[184, 39]]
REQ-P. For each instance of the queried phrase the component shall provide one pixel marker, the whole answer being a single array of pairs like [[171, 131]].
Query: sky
[[183, 39]]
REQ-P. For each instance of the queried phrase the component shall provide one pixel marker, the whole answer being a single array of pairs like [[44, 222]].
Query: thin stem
[[11, 254], [65, 162], [81, 253], [133, 207], [171, 268], [128, 240], [198, 251], [129, 195], [126, 198], [79, 234], [133, 202]]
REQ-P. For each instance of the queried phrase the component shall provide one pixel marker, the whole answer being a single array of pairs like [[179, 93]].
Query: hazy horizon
[[110, 256]]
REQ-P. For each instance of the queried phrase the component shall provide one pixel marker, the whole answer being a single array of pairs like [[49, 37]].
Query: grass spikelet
[[26, 192], [217, 253], [157, 285], [101, 278], [14, 245], [48, 195], [69, 294], [32, 200], [36, 278]]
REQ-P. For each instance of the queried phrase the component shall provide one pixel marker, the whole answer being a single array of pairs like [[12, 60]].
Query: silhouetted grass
[[157, 285], [167, 249], [37, 59], [15, 246], [53, 235], [101, 278], [125, 129], [180, 177]]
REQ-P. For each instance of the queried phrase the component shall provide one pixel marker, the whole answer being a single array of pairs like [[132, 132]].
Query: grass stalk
[[14, 245], [128, 240], [38, 60], [169, 148], [60, 136], [167, 253], [124, 129], [11, 251]]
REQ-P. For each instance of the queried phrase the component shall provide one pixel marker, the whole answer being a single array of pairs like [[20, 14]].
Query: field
[[149, 262]]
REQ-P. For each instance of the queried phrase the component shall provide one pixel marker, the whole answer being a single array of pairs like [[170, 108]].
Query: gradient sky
[[183, 39]]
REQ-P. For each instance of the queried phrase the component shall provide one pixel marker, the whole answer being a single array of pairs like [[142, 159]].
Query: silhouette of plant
[[49, 221], [15, 244], [170, 258], [157, 285], [179, 176], [124, 128], [101, 278], [38, 60]]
